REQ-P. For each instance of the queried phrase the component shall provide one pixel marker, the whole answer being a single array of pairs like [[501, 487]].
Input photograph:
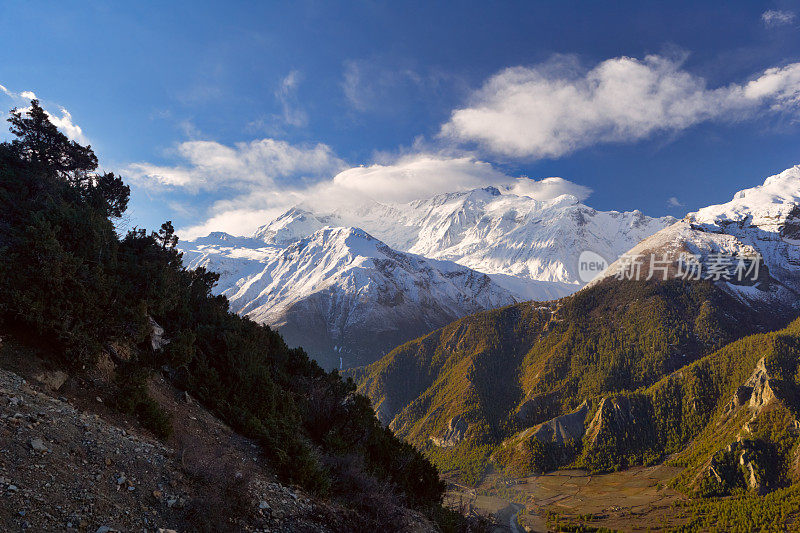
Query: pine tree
[[39, 142]]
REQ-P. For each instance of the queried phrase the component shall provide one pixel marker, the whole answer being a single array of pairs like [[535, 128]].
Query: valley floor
[[634, 499]]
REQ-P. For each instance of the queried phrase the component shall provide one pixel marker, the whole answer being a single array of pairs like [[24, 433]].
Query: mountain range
[[628, 370], [344, 295], [372, 276]]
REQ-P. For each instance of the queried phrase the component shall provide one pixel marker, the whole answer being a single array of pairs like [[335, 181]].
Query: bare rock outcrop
[[456, 429], [157, 335], [746, 462], [620, 416], [564, 428], [740, 463], [760, 385]]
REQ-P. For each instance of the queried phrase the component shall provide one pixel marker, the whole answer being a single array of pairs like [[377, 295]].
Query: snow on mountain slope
[[517, 238], [308, 270], [766, 206], [763, 220], [342, 293], [525, 238], [235, 259]]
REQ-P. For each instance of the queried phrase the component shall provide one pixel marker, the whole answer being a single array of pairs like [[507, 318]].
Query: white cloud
[[549, 188], [774, 17], [237, 221], [263, 179], [417, 176], [67, 126], [211, 165], [674, 202], [556, 108], [26, 95], [777, 87]]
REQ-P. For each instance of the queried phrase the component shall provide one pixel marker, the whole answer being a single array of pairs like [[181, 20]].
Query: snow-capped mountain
[[410, 268], [529, 246], [762, 221], [341, 293]]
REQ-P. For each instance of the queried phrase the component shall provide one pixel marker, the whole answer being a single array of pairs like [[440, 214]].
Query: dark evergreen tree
[[166, 236], [39, 142]]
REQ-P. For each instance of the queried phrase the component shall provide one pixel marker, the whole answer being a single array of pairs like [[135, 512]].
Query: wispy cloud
[[293, 114], [674, 202], [555, 108], [18, 97], [371, 85], [774, 17]]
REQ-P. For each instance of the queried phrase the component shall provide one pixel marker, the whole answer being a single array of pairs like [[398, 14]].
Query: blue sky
[[223, 114]]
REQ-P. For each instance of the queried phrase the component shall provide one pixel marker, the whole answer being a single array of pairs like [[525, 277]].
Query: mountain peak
[[349, 237], [220, 238], [763, 222], [292, 225], [771, 202], [563, 200], [360, 296]]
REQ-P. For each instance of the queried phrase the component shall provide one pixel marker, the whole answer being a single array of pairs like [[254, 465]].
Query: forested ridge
[[674, 372], [74, 289], [512, 368]]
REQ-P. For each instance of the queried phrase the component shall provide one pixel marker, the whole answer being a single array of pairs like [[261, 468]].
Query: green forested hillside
[[730, 421], [620, 374], [703, 406], [513, 368], [74, 291]]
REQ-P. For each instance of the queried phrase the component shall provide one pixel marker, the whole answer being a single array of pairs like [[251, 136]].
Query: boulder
[[53, 379], [157, 338], [38, 445]]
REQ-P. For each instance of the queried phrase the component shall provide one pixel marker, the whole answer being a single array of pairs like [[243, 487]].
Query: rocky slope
[[70, 464]]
